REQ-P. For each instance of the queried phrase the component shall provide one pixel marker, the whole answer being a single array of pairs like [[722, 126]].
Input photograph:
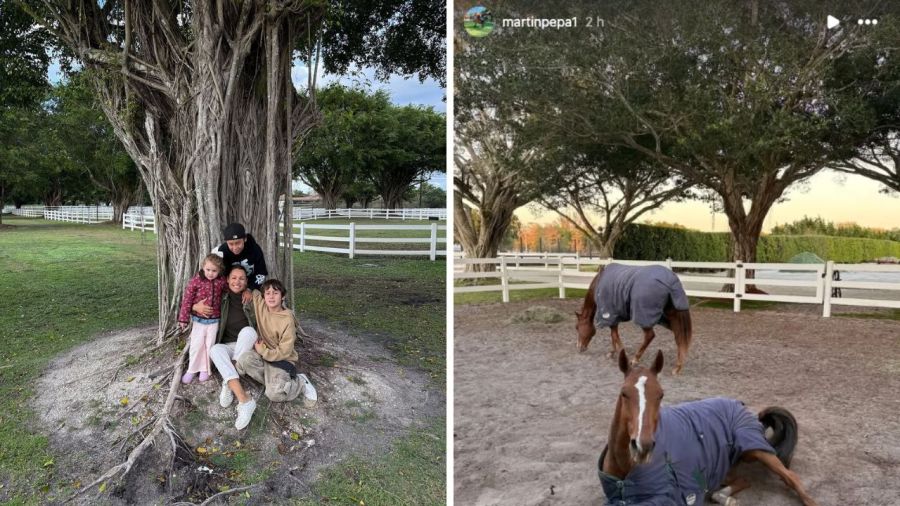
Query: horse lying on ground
[[677, 455], [650, 295]]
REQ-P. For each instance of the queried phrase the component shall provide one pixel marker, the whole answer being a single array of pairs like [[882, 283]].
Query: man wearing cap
[[241, 249]]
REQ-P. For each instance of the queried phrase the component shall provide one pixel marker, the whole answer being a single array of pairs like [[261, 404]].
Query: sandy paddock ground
[[532, 414]]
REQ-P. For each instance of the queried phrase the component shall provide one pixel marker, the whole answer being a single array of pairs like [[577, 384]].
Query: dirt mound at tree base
[[95, 402]]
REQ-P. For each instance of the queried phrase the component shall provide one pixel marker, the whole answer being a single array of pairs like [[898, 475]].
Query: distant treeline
[[645, 242], [818, 226], [841, 243]]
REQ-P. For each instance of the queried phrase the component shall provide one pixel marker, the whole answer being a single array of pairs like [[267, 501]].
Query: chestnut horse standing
[[651, 294], [676, 455]]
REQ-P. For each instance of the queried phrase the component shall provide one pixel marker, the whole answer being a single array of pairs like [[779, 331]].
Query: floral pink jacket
[[200, 288]]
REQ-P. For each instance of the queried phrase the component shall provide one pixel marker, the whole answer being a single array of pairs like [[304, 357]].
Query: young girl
[[208, 285]]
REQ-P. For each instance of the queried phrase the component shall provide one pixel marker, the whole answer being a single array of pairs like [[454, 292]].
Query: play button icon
[[831, 21]]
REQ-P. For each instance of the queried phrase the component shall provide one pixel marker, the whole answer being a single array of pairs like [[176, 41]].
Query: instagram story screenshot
[[677, 252]]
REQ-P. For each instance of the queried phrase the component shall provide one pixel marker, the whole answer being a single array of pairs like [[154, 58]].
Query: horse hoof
[[676, 371], [611, 354]]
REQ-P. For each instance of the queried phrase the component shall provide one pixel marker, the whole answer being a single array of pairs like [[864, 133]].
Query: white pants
[[222, 354]]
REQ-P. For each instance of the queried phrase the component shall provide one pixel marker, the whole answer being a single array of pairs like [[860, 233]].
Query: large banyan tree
[[201, 95]]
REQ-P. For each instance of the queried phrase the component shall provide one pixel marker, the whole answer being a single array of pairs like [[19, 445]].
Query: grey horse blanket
[[638, 293], [696, 444]]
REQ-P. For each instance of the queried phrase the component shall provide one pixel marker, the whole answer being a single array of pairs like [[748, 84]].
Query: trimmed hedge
[[646, 242]]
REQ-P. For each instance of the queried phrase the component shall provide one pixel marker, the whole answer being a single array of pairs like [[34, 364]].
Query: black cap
[[234, 231]]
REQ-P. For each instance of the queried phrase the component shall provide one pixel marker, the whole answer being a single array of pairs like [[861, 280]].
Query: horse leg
[[789, 477], [615, 341], [648, 336], [682, 338]]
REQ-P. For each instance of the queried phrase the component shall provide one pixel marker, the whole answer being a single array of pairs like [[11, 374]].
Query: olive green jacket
[[248, 311]]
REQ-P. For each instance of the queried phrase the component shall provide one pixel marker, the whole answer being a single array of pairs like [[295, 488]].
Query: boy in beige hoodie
[[273, 360]]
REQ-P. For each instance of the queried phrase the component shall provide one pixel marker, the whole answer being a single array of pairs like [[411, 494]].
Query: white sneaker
[[225, 396], [245, 413], [309, 392]]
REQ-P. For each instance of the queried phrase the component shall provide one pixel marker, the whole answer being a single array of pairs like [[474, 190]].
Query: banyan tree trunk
[[208, 118]]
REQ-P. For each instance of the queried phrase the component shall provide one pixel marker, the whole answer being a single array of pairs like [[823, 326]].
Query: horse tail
[[784, 432], [687, 327]]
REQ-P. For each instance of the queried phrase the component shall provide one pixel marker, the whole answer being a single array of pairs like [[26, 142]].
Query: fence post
[[669, 263], [433, 253], [352, 238], [738, 285], [504, 280], [562, 286], [143, 224], [829, 272], [302, 236]]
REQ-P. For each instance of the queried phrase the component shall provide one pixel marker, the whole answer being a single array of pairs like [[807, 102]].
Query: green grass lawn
[[398, 299], [62, 284], [412, 473]]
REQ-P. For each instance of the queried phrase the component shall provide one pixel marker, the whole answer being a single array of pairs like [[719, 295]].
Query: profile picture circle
[[478, 21]]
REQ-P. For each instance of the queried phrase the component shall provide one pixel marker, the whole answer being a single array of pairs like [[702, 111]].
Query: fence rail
[[528, 273], [139, 221], [348, 244], [75, 214], [384, 214]]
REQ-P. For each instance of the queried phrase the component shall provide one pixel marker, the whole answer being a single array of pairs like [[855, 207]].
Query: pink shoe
[[187, 378], [204, 376]]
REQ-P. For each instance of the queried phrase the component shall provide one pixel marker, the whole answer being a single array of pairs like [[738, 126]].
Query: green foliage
[[88, 143], [426, 195], [393, 36], [23, 58], [336, 154], [367, 146], [644, 242], [818, 226]]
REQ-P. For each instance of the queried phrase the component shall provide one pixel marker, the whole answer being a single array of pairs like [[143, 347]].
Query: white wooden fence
[[76, 214], [520, 273], [428, 236], [139, 221], [383, 214]]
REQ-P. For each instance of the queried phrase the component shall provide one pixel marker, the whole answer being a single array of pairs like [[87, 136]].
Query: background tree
[[333, 155], [730, 95], [408, 145], [872, 74], [23, 83], [90, 145], [200, 95], [491, 151], [600, 190], [359, 191], [429, 196]]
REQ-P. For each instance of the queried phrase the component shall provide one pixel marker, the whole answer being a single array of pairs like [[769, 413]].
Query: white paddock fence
[[76, 214], [372, 214], [878, 285], [430, 239], [139, 221]]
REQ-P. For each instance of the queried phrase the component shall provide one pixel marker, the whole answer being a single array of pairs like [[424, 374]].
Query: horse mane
[[590, 305]]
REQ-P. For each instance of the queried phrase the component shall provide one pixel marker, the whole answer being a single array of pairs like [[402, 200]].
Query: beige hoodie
[[277, 330]]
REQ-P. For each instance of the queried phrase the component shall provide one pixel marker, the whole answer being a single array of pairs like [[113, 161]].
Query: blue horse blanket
[[626, 293], [696, 444]]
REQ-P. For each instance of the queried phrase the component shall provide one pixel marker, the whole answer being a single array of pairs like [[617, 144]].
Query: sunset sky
[[834, 197]]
